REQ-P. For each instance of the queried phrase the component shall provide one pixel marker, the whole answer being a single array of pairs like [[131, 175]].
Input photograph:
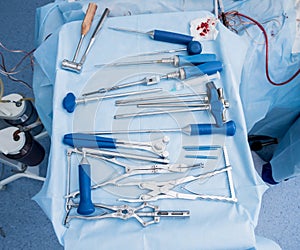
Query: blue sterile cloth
[[267, 109], [212, 224]]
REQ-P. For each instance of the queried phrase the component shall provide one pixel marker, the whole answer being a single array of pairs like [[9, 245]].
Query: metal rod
[[95, 98], [123, 155], [150, 98], [168, 105], [157, 112], [229, 173]]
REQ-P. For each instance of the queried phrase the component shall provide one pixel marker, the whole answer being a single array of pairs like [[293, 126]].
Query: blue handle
[[228, 128], [204, 68], [171, 37], [196, 59], [216, 105], [80, 140], [69, 102], [86, 205], [194, 48]]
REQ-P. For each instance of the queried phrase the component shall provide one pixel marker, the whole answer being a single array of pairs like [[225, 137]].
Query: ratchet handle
[[228, 129], [196, 59], [88, 19], [171, 37], [79, 140], [208, 68], [86, 205]]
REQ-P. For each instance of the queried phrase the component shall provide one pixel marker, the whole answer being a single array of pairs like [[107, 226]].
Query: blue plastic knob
[[194, 48], [69, 102]]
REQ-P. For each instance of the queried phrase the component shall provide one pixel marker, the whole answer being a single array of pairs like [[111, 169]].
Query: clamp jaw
[[218, 104]]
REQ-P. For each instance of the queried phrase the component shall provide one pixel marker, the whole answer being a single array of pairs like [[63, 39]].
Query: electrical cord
[[259, 25], [13, 70]]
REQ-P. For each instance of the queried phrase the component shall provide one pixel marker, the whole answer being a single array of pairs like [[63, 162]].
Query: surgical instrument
[[206, 157], [126, 212], [217, 105], [79, 140], [182, 74], [77, 67], [176, 61], [124, 155], [70, 101], [86, 206], [163, 189], [202, 148], [193, 48], [134, 101], [228, 129], [131, 170], [161, 35], [85, 27], [200, 80], [195, 148]]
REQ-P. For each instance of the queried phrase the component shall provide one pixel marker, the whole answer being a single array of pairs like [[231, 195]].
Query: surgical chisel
[[161, 35], [228, 128], [77, 66], [176, 61], [182, 74], [85, 26]]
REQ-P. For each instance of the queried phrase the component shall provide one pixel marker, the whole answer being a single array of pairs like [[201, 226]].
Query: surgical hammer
[[73, 65]]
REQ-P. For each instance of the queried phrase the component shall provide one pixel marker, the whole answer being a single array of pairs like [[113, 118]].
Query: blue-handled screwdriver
[[161, 35]]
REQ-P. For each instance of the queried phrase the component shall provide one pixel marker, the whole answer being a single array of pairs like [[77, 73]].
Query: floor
[[23, 224]]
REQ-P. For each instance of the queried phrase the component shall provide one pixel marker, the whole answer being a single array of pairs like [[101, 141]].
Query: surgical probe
[[182, 74], [176, 60]]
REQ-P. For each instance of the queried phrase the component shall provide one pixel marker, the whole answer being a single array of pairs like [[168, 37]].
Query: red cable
[[267, 49]]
